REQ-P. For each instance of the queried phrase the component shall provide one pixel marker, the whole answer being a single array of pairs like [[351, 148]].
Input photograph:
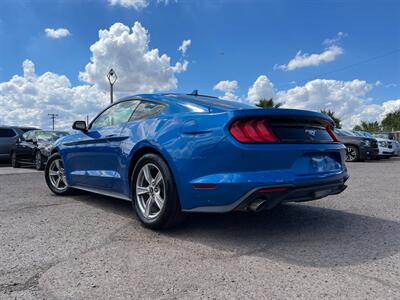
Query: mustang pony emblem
[[310, 132]]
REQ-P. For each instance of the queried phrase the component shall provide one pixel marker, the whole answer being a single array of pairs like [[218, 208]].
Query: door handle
[[110, 136]]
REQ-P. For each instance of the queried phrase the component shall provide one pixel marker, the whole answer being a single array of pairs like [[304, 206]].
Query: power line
[[53, 117]]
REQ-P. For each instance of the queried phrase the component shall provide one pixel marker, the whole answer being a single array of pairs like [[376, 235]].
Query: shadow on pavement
[[298, 234]]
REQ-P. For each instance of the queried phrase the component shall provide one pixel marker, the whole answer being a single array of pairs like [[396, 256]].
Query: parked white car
[[396, 147], [385, 146]]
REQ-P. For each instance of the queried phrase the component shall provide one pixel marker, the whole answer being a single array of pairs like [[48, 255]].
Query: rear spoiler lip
[[277, 113]]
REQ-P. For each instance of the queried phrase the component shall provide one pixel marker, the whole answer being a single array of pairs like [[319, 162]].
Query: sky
[[341, 55]]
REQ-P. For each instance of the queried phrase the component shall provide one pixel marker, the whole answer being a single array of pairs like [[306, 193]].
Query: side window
[[7, 133], [25, 136], [30, 135], [116, 114], [146, 109]]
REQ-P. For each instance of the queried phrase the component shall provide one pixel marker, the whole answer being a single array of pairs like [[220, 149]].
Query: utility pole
[[53, 117], [112, 78], [87, 120]]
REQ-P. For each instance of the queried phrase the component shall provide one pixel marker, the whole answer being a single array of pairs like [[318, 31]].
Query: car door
[[91, 161], [146, 109], [24, 147], [7, 140]]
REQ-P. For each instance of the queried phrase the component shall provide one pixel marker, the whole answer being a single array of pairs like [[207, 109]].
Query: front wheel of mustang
[[55, 175], [154, 193]]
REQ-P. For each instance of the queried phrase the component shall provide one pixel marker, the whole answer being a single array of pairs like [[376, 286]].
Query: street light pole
[[53, 117], [112, 78]]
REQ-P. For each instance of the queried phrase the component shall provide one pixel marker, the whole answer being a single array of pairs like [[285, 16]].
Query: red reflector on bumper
[[204, 186], [272, 190]]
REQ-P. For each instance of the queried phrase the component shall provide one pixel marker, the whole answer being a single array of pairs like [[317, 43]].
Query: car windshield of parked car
[[116, 114], [50, 136], [382, 136], [356, 133], [342, 132], [368, 135]]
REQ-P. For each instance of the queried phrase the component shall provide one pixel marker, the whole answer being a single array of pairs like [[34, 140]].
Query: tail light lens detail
[[332, 134], [252, 131]]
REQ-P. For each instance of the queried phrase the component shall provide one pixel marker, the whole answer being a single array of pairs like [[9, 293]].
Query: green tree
[[391, 121], [371, 127], [268, 103], [335, 119]]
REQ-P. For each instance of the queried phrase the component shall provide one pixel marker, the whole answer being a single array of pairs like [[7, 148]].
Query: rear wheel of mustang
[[55, 176], [39, 161], [14, 161], [155, 198], [352, 153]]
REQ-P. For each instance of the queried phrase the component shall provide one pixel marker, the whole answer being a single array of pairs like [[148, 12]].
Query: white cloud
[[228, 87], [309, 60], [262, 88], [57, 33], [336, 39], [184, 46], [27, 99], [348, 99], [139, 69], [136, 4]]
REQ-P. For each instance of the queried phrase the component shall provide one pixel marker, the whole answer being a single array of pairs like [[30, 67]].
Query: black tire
[[39, 165], [352, 153], [64, 189], [14, 161], [170, 214]]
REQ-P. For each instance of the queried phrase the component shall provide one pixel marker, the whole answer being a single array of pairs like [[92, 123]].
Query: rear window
[[145, 110], [7, 132]]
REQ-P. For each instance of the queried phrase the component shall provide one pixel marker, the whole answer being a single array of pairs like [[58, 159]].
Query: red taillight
[[204, 186], [252, 131], [272, 190], [331, 133]]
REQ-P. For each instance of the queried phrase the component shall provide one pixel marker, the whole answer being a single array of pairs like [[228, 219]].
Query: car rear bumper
[[269, 196]]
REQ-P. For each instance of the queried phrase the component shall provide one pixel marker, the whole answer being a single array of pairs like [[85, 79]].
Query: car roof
[[19, 127], [208, 103]]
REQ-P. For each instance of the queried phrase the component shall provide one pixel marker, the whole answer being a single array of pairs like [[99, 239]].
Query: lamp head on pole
[[112, 76]]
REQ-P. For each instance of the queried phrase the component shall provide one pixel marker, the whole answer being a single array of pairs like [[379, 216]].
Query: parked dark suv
[[358, 148], [8, 138]]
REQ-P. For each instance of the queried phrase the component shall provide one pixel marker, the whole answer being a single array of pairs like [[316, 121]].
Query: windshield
[[357, 133], [383, 136], [342, 132], [367, 134], [50, 136]]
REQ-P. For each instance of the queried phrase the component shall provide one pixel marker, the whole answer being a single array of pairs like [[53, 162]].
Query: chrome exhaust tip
[[257, 205]]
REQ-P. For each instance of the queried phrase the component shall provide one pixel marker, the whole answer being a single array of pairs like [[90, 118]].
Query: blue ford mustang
[[177, 153]]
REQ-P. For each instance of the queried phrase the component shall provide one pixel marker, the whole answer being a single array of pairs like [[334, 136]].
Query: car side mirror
[[79, 125]]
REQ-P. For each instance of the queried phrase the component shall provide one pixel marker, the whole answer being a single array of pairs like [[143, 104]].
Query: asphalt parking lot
[[93, 247]]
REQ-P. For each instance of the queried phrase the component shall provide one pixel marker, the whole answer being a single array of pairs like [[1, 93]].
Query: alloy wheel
[[57, 175], [351, 154], [150, 191]]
